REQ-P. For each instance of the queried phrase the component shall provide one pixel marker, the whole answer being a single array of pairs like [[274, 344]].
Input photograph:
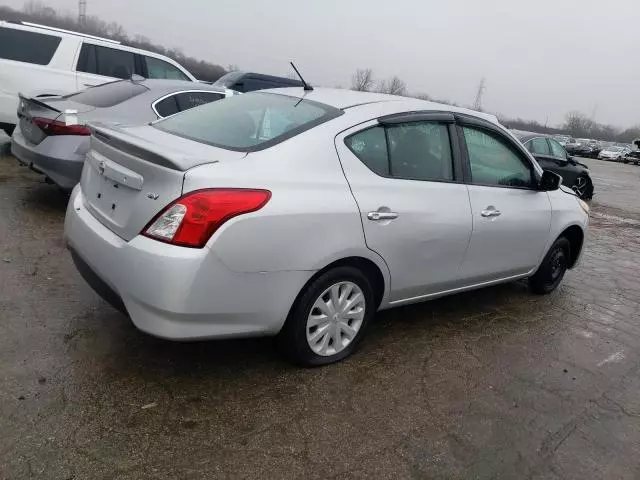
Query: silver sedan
[[52, 136], [300, 214]]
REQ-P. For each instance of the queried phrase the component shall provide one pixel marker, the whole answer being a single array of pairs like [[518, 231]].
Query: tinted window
[[557, 150], [189, 100], [539, 146], [109, 62], [29, 47], [160, 69], [370, 146], [167, 107], [494, 162], [249, 122], [108, 94], [415, 151]]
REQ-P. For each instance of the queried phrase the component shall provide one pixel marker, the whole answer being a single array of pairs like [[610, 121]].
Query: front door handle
[[491, 212], [376, 216]]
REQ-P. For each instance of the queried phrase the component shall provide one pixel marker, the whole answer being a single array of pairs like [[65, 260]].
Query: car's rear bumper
[[176, 292], [59, 158]]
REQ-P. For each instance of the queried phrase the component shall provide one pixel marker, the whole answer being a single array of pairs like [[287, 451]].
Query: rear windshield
[[28, 47], [228, 79], [108, 94], [249, 122]]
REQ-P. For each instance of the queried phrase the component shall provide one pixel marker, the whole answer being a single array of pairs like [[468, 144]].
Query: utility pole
[[477, 104], [82, 12]]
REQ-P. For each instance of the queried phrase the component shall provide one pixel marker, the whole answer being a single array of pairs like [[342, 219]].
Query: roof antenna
[[305, 85]]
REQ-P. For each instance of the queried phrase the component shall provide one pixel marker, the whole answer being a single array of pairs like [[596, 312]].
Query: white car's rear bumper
[[176, 292]]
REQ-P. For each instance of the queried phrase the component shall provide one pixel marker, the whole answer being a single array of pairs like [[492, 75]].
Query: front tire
[[552, 269], [583, 187], [329, 318]]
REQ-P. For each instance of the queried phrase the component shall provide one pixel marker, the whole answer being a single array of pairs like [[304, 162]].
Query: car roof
[[347, 99]]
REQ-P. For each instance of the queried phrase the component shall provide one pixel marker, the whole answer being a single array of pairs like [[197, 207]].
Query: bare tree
[[393, 86], [362, 80]]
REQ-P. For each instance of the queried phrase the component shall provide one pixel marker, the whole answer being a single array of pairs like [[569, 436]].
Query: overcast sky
[[540, 59]]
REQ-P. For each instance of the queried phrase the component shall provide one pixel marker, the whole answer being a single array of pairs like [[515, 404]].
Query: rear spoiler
[[40, 103], [110, 136]]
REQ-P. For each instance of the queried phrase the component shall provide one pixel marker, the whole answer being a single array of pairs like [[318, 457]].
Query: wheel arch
[[575, 235]]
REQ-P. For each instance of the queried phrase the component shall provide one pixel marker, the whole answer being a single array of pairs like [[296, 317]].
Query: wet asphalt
[[496, 383]]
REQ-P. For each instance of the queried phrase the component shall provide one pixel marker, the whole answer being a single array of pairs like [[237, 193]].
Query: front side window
[[109, 62], [494, 162], [249, 122], [539, 146], [157, 68], [557, 150], [412, 151], [28, 47]]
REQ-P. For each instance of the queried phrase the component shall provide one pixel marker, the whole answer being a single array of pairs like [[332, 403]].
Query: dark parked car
[[552, 156], [248, 81], [633, 156], [579, 147]]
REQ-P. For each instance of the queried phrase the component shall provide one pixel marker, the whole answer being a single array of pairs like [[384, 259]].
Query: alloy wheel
[[580, 187], [335, 318]]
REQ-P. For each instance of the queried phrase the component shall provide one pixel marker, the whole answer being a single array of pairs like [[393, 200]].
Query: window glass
[[109, 62], [248, 122], [539, 146], [189, 100], [28, 47], [157, 68], [494, 162], [420, 151], [557, 150], [108, 94], [370, 146], [414, 151], [167, 107]]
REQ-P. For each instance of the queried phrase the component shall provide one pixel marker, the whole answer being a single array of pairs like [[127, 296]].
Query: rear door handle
[[491, 213], [376, 216]]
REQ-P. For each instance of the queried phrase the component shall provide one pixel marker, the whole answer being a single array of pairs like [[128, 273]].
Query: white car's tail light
[[192, 219]]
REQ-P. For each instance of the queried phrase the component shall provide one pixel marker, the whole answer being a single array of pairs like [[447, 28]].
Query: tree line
[[576, 124]]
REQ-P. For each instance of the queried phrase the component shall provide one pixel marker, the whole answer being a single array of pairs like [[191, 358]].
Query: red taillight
[[56, 127], [192, 219]]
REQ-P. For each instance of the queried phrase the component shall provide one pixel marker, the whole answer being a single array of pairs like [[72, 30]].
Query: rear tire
[[552, 269], [316, 332]]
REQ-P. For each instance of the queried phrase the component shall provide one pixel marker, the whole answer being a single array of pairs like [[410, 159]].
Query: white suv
[[42, 61]]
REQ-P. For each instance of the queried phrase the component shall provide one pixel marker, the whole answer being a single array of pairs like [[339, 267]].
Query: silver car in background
[[301, 213], [52, 136]]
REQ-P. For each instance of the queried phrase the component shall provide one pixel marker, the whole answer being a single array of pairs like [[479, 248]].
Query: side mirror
[[550, 181]]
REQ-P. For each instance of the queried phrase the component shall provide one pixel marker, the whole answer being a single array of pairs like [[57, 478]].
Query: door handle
[[376, 216], [491, 213], [89, 84]]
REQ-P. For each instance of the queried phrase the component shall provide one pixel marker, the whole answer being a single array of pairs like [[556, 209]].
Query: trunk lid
[[132, 173], [50, 108]]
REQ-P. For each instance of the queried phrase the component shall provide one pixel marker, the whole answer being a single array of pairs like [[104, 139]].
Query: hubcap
[[335, 318], [580, 187]]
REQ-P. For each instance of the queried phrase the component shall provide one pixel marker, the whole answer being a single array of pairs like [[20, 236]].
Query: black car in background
[[552, 156], [249, 82], [580, 148]]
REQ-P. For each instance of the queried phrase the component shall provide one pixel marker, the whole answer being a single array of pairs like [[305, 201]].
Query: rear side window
[[167, 107], [157, 68], [108, 94], [109, 62], [411, 151], [28, 47], [250, 122]]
